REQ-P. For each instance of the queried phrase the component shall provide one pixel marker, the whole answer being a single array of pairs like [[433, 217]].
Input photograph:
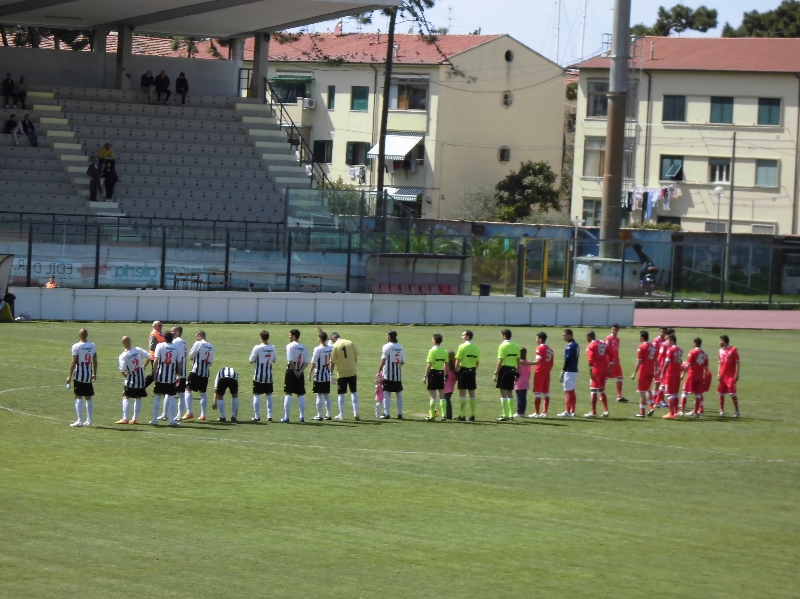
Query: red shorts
[[598, 378], [541, 382], [727, 385], [616, 371], [673, 385], [693, 386], [645, 381]]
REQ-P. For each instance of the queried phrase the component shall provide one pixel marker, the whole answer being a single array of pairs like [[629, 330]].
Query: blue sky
[[533, 21]]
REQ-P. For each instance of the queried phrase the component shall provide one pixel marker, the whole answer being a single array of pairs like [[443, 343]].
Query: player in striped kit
[[227, 379], [393, 356], [180, 389], [293, 382], [167, 367], [263, 357], [202, 355], [83, 369], [132, 363], [320, 374]]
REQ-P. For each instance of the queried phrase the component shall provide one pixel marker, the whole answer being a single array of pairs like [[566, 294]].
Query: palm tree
[[189, 43]]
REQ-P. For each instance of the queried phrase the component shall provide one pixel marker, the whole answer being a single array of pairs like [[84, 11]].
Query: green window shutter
[[674, 109], [359, 98], [671, 168], [767, 173], [331, 97], [319, 151], [769, 111], [348, 156], [722, 110]]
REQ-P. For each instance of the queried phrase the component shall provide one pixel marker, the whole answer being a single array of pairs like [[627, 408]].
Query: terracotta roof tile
[[749, 54]]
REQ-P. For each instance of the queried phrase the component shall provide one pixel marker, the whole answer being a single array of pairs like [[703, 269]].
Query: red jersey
[[646, 352], [597, 354], [673, 361], [661, 350], [728, 359], [545, 359], [612, 349], [697, 362]]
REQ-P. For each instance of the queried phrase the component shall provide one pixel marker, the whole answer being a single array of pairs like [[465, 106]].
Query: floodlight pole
[[730, 214]]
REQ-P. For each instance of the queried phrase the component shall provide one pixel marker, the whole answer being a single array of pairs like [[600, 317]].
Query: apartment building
[[464, 111], [689, 98]]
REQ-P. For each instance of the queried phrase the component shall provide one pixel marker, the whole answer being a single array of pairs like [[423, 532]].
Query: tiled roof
[[748, 54]]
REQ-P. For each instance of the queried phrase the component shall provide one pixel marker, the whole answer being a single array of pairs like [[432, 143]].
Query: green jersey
[[468, 355], [437, 357], [508, 352]]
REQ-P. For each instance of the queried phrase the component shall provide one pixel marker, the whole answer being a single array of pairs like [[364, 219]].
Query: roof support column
[[260, 66], [237, 48], [122, 79], [99, 41]]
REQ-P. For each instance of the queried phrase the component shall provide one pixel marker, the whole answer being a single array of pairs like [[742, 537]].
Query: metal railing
[[295, 137]]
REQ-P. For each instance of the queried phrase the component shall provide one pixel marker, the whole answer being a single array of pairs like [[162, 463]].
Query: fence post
[[622, 275], [722, 274], [227, 257], [97, 258], [288, 260], [672, 275], [349, 258], [769, 277], [361, 208], [521, 269], [163, 255], [30, 254]]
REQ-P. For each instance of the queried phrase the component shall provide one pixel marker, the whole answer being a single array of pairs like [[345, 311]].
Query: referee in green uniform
[[434, 376], [505, 373], [468, 357]]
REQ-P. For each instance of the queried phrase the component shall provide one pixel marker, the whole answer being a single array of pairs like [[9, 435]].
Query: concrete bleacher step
[[52, 174], [25, 151], [38, 187], [183, 172], [168, 148], [39, 199], [160, 135], [154, 122], [18, 206], [40, 94], [137, 96], [192, 161], [134, 181], [42, 106], [151, 110], [261, 121], [167, 193], [251, 107], [267, 134], [205, 211], [274, 155]]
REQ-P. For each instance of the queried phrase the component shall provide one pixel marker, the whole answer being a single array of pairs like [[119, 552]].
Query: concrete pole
[[611, 211], [99, 41], [237, 49], [122, 79], [260, 66]]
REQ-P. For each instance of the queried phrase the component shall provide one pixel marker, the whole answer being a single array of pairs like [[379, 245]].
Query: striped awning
[[401, 194], [397, 146]]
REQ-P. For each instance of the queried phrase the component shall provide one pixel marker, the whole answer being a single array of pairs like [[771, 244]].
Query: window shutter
[[348, 158], [319, 151]]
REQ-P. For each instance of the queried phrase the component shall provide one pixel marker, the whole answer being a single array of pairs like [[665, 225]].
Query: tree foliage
[[184, 42], [783, 21], [677, 19], [475, 204], [530, 188], [342, 198]]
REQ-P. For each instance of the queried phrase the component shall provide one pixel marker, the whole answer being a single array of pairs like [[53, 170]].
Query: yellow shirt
[[508, 352], [468, 355], [437, 357], [105, 153], [344, 358]]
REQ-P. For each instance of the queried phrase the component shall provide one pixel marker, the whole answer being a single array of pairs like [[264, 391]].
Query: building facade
[[690, 96]]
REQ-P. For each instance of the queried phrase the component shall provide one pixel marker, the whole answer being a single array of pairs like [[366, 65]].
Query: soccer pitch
[[548, 508]]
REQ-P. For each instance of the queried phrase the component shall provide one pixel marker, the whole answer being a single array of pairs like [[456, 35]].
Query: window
[[766, 173], [408, 95], [507, 99], [245, 75], [331, 97], [598, 99], [509, 56], [323, 151], [357, 153], [722, 110], [287, 91], [719, 170], [763, 229], [359, 98], [769, 111], [591, 213], [504, 154], [713, 226], [671, 168], [674, 109], [594, 157]]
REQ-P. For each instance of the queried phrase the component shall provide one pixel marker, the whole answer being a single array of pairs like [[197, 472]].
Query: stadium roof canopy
[[200, 18]]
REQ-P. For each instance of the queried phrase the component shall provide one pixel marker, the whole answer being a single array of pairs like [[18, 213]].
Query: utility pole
[[558, 28], [730, 215], [583, 27], [387, 84], [611, 210]]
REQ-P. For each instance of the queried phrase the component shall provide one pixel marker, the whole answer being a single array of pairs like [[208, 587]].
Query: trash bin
[[485, 290]]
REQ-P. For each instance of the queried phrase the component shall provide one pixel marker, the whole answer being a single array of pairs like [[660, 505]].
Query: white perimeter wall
[[91, 69], [236, 306]]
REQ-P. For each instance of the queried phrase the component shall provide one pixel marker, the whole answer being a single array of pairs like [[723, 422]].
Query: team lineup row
[[659, 366]]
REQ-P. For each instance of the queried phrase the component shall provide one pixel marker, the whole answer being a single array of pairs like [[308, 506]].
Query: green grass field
[[605, 508]]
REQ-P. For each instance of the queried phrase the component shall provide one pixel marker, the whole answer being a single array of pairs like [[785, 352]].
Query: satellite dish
[[338, 29]]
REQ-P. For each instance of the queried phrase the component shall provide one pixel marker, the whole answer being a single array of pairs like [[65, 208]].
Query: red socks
[[546, 403], [604, 399], [537, 402], [735, 401], [619, 389]]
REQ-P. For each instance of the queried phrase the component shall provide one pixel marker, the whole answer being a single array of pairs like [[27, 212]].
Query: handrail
[[285, 120]]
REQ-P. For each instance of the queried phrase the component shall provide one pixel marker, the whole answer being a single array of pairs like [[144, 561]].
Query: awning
[[397, 146], [401, 194]]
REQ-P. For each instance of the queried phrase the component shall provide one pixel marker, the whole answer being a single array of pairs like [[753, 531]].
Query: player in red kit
[[598, 369], [695, 368], [615, 367], [543, 364], [671, 379], [728, 375], [661, 353], [646, 368]]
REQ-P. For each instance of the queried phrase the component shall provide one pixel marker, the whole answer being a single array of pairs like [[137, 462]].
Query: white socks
[[399, 403], [221, 407], [234, 407], [387, 403], [327, 405], [354, 398], [170, 404], [187, 401], [301, 403], [269, 406], [125, 410], [203, 404], [89, 406], [137, 406], [319, 404], [156, 401], [257, 406], [340, 401], [78, 408], [287, 406]]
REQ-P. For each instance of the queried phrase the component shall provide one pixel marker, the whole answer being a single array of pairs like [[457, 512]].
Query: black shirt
[[147, 80]]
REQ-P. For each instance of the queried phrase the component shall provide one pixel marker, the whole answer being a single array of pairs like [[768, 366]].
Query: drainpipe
[[647, 127], [796, 149]]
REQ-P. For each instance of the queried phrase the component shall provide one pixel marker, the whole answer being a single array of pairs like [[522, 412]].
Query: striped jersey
[[321, 363], [180, 345], [296, 355], [394, 356], [85, 351], [202, 353], [131, 363], [263, 357], [167, 356], [226, 373]]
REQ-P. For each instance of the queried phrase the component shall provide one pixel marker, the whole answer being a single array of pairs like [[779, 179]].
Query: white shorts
[[570, 381]]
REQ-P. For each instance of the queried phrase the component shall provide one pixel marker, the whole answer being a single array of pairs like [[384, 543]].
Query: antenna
[[558, 28], [583, 27], [449, 18]]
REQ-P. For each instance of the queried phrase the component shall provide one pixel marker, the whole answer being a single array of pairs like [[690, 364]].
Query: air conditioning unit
[[309, 103]]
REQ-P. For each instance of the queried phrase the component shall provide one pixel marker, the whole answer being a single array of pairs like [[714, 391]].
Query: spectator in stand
[[51, 284], [182, 88], [8, 89], [21, 91], [147, 85], [110, 179], [106, 153], [162, 86], [13, 128], [94, 172], [29, 130]]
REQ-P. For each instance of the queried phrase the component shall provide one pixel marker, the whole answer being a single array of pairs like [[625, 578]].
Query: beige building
[[450, 127], [691, 96]]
